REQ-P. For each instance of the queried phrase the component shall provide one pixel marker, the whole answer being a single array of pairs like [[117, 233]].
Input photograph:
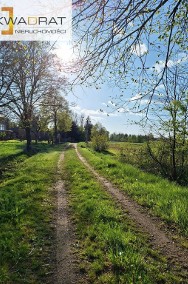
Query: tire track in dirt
[[175, 254], [66, 270]]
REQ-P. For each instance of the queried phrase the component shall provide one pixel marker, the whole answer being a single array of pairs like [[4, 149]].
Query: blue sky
[[99, 104]]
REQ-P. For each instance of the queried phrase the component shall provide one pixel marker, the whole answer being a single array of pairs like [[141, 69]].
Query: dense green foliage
[[111, 249]]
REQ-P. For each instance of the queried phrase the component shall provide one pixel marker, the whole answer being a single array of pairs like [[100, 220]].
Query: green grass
[[164, 199], [135, 154], [129, 148], [138, 155], [110, 248], [26, 213], [10, 147], [11, 154]]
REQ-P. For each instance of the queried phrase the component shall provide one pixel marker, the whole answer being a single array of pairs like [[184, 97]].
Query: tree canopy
[[30, 72], [131, 42], [99, 138]]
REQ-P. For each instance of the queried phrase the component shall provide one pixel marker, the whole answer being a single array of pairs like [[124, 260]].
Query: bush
[[99, 138]]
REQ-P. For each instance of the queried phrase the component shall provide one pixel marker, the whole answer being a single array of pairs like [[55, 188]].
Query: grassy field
[[135, 154], [11, 154], [125, 147], [26, 213], [155, 157], [110, 248], [10, 148], [164, 199]]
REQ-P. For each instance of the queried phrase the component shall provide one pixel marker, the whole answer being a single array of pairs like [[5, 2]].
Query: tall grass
[[110, 249], [163, 198], [26, 212]]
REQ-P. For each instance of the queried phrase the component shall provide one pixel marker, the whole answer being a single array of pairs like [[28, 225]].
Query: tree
[[119, 38], [88, 127], [99, 138], [54, 108], [39, 124], [35, 73], [170, 119], [6, 76], [64, 121]]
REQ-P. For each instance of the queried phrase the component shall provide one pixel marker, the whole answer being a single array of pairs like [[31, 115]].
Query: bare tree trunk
[[28, 138], [55, 127], [174, 167]]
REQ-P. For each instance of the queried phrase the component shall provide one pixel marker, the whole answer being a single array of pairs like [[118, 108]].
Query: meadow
[[157, 157], [162, 198], [110, 247]]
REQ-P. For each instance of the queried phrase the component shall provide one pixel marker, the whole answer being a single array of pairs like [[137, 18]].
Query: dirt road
[[67, 271], [161, 240]]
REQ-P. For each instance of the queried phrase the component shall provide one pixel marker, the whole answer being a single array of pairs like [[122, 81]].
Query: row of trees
[[132, 138], [30, 78], [52, 125], [31, 98], [31, 87]]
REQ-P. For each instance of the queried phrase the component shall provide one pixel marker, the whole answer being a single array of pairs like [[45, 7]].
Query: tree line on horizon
[[132, 138]]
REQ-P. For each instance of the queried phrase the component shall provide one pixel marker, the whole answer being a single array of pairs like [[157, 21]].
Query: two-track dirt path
[[66, 269], [160, 239]]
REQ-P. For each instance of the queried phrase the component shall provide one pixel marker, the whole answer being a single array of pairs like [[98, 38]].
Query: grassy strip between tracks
[[165, 199], [26, 213], [110, 248]]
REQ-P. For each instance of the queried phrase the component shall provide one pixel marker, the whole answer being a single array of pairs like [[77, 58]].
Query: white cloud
[[122, 110], [139, 49], [160, 87], [136, 97], [95, 115], [159, 65], [111, 103]]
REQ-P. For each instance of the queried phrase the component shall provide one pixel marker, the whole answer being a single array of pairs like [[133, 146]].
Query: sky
[[98, 104]]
